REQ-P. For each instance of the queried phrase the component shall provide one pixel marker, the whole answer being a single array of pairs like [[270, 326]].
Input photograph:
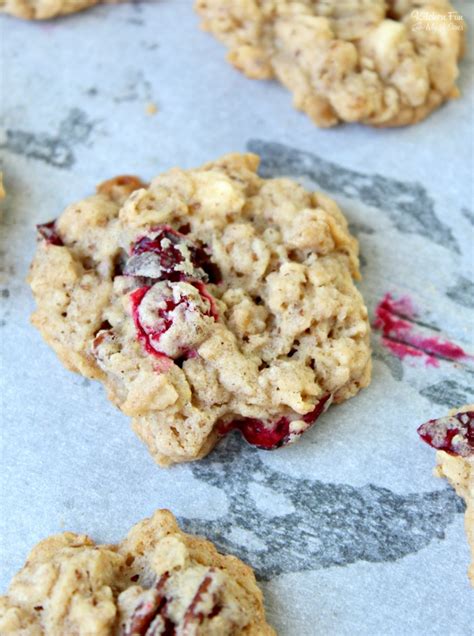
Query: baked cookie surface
[[454, 437], [371, 61], [158, 580], [210, 300], [46, 9]]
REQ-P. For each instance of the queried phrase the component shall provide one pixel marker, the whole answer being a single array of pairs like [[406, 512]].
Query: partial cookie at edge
[[158, 578], [47, 9], [456, 468]]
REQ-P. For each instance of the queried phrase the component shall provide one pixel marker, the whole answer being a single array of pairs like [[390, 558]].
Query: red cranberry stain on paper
[[397, 320]]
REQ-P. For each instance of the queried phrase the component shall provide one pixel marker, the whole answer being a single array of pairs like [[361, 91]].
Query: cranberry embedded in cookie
[[47, 231], [207, 301], [166, 254], [453, 434], [270, 435], [172, 318], [157, 581], [162, 256]]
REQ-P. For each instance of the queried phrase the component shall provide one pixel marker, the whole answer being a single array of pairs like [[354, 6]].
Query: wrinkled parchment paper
[[348, 530]]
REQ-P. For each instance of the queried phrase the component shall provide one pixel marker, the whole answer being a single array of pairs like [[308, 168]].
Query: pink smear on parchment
[[399, 334]]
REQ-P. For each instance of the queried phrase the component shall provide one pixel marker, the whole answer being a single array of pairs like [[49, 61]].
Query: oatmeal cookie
[[453, 436], [210, 300], [47, 9], [159, 580], [371, 61]]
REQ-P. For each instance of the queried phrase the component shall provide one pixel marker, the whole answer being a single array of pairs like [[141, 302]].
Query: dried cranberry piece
[[268, 435], [184, 229], [119, 262], [163, 254], [262, 434], [49, 233], [136, 298], [453, 434], [163, 317], [157, 256], [202, 259]]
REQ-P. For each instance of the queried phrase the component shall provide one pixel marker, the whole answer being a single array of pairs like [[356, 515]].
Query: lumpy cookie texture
[[371, 61], [453, 436], [208, 301], [46, 9], [157, 581]]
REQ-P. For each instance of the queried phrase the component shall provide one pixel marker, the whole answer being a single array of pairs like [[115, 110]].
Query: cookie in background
[[375, 62]]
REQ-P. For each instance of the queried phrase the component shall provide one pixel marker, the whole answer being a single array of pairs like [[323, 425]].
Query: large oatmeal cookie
[[376, 62], [47, 9], [159, 580], [453, 436], [210, 300]]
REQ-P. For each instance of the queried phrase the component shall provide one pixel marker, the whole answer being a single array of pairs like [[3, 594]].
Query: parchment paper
[[348, 530]]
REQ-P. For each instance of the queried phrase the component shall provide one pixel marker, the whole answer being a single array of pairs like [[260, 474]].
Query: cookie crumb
[[151, 109]]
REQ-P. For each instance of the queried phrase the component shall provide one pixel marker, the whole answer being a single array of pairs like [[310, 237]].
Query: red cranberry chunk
[[271, 435], [453, 434], [168, 255], [201, 258], [264, 435], [173, 318], [160, 256], [48, 232]]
